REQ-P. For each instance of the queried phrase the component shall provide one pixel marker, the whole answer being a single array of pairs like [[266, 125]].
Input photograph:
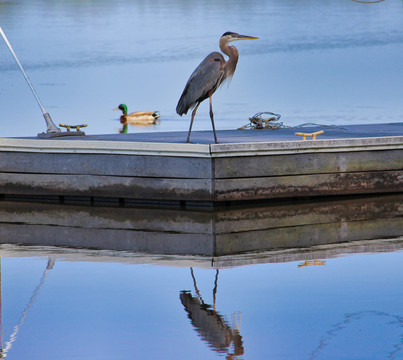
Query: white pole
[[52, 128]]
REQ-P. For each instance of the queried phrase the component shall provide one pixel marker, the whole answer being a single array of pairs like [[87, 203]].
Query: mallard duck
[[138, 118]]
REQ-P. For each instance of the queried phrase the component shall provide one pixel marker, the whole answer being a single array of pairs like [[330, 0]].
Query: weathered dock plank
[[106, 186], [303, 164], [308, 185], [144, 166]]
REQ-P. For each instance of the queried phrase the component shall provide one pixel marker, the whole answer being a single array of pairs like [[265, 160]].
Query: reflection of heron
[[208, 76], [138, 118], [13, 336], [210, 325]]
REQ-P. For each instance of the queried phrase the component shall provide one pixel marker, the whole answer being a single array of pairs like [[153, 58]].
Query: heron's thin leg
[[212, 116], [191, 121]]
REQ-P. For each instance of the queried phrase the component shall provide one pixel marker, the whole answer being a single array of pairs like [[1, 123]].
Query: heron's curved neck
[[232, 53]]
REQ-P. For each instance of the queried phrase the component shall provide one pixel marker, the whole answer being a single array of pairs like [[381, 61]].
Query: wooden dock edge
[[205, 173], [198, 150], [300, 147]]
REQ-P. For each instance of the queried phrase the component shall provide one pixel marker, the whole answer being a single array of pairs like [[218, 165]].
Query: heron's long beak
[[246, 37]]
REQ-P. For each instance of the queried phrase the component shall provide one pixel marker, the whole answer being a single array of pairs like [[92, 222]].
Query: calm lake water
[[326, 62], [100, 307], [308, 281]]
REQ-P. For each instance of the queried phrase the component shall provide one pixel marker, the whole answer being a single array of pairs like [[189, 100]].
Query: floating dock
[[246, 165]]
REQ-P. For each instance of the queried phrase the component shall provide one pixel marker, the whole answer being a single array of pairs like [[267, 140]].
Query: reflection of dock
[[279, 232], [246, 165]]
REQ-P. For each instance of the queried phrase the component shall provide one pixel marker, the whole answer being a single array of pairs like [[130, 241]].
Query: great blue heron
[[208, 76]]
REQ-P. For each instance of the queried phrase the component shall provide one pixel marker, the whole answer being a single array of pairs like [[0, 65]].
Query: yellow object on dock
[[313, 135], [77, 127]]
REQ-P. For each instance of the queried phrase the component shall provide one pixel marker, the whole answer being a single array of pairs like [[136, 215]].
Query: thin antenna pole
[[52, 128]]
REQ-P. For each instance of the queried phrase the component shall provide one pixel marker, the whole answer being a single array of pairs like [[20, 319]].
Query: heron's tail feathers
[[183, 106]]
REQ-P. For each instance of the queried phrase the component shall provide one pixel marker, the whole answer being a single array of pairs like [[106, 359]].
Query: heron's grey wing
[[207, 76]]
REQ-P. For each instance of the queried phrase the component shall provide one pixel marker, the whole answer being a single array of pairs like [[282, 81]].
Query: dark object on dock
[[264, 120], [253, 165], [56, 134]]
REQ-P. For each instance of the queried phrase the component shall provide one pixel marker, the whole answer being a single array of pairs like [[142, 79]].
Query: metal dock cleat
[[313, 135], [77, 127]]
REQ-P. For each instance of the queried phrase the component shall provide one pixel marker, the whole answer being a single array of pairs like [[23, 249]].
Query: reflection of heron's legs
[[215, 290], [212, 115], [195, 285], [237, 323], [191, 121]]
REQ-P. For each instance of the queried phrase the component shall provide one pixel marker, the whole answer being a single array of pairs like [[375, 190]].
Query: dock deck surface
[[254, 136]]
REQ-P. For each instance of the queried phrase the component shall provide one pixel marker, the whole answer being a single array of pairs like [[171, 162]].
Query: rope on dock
[[261, 121], [257, 121]]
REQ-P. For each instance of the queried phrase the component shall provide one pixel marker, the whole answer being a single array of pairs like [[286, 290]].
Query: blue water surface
[[81, 308], [326, 62]]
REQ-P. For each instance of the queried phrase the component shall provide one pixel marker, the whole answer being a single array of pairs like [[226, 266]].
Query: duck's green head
[[122, 107]]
